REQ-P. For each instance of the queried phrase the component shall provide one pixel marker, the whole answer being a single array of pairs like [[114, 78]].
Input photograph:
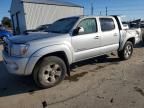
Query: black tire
[[45, 72], [126, 53], [143, 39]]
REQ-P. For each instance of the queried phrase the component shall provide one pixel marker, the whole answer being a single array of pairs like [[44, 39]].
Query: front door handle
[[97, 37]]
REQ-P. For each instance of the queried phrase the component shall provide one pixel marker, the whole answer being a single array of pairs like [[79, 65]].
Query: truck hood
[[21, 39]]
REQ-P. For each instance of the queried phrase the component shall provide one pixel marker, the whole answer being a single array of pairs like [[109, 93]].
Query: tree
[[6, 21]]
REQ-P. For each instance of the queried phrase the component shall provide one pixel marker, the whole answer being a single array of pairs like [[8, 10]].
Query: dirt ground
[[103, 82]]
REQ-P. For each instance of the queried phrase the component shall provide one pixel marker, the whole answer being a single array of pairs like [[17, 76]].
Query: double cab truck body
[[48, 55]]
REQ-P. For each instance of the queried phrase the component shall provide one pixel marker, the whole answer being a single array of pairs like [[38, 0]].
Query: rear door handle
[[115, 34], [97, 37]]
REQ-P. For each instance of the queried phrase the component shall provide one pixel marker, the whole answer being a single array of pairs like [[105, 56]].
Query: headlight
[[18, 49]]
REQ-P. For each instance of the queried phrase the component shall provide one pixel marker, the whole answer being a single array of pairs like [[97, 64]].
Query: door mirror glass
[[78, 31], [81, 30]]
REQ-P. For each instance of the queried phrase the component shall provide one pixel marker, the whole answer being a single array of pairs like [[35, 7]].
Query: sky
[[129, 9]]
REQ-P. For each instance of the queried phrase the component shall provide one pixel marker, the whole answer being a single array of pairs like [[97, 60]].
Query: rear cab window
[[107, 24]]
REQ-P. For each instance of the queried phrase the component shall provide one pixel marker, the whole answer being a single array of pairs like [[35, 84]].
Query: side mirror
[[81, 30], [78, 31]]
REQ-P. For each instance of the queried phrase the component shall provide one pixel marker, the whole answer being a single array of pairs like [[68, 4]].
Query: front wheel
[[50, 72], [127, 52]]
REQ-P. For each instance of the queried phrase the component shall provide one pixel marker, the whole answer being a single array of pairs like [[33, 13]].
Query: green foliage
[[6, 22]]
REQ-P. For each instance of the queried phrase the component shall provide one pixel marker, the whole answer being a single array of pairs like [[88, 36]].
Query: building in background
[[29, 14]]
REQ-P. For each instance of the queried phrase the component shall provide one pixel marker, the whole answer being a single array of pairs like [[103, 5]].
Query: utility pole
[[92, 6], [92, 9], [100, 13], [106, 10]]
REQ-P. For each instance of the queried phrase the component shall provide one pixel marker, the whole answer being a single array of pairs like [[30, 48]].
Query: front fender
[[36, 56]]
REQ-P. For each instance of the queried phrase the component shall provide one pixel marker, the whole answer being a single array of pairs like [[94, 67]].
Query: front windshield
[[62, 25]]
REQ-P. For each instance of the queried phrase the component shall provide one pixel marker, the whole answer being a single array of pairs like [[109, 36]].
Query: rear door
[[109, 34]]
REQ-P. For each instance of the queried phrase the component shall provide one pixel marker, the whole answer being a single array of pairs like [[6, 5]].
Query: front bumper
[[15, 65]]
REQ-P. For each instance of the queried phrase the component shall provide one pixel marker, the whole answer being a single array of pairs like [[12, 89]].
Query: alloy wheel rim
[[128, 51], [51, 73]]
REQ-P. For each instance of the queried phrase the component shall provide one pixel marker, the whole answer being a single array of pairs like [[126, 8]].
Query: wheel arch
[[63, 52], [60, 54], [131, 39]]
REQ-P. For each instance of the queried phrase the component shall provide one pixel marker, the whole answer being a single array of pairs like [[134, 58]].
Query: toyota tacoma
[[47, 56]]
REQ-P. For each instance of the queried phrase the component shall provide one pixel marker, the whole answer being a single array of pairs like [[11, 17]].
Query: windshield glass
[[62, 25]]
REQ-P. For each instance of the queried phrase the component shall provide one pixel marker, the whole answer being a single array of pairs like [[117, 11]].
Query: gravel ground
[[103, 82]]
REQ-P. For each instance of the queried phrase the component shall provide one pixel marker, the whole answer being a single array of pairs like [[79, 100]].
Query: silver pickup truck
[[48, 55]]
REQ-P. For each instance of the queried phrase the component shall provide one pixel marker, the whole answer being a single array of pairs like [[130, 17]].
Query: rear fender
[[122, 44]]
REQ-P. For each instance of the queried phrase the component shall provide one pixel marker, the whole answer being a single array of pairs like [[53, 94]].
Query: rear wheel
[[143, 39], [50, 72], [127, 52]]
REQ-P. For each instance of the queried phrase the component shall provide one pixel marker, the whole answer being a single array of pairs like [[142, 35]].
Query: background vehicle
[[4, 33], [48, 55], [136, 27]]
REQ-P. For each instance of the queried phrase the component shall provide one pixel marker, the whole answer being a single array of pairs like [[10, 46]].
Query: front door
[[85, 44]]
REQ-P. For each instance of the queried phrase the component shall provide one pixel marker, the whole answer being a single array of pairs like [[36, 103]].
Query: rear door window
[[107, 24]]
